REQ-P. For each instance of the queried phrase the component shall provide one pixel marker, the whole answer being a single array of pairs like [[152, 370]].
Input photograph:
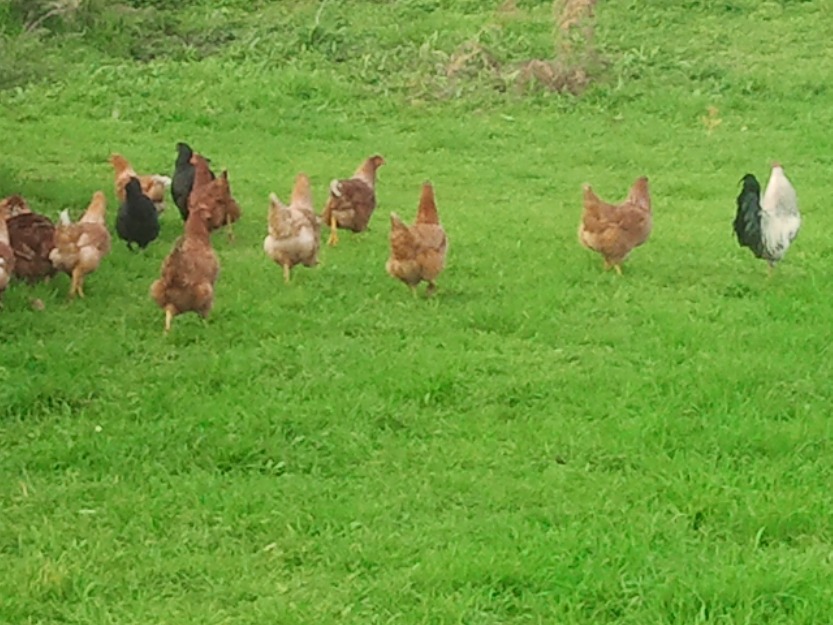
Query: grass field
[[541, 442]]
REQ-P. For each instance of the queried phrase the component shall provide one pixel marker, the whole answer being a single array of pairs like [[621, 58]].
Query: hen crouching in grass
[[188, 273]]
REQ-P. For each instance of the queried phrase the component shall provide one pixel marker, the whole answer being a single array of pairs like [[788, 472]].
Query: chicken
[[188, 273], [79, 247], [212, 196], [137, 221], [14, 205], [352, 202], [153, 185], [767, 227], [418, 252], [183, 178], [294, 232], [615, 230], [6, 258], [32, 238]]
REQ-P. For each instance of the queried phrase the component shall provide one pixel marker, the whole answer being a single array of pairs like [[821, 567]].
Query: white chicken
[[768, 226]]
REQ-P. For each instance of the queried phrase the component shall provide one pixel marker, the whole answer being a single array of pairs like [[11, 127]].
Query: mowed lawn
[[540, 442]]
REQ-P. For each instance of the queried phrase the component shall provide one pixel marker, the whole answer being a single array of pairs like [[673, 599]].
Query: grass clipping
[[576, 60]]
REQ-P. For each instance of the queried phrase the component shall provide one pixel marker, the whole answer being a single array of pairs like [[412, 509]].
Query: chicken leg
[[73, 284], [286, 274], [169, 317], [77, 287], [229, 229], [333, 240]]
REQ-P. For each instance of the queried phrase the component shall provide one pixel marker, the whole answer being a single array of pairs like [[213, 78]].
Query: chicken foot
[[616, 266]]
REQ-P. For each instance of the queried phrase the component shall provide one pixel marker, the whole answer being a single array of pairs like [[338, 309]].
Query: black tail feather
[[747, 222]]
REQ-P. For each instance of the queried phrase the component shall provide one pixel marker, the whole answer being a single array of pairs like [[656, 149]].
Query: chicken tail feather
[[335, 188], [747, 224]]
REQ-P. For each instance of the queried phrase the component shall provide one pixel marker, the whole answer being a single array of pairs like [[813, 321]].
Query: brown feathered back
[[196, 226], [121, 164], [96, 210], [32, 237], [202, 174]]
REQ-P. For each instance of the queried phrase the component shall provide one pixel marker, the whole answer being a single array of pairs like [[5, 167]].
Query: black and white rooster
[[768, 226]]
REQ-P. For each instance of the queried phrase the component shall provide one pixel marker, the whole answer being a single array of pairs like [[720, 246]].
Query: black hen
[[138, 221], [183, 178], [748, 218]]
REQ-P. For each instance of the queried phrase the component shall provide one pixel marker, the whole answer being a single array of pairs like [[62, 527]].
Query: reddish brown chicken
[[79, 247], [153, 185], [32, 238], [352, 202], [614, 230], [213, 197], [188, 273], [417, 253]]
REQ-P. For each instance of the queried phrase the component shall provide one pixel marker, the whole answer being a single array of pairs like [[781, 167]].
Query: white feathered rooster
[[767, 227]]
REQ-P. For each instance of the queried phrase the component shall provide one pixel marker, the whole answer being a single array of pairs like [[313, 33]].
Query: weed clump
[[576, 59], [575, 62]]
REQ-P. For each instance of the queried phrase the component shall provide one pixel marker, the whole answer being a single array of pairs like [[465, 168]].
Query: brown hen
[[351, 202], [614, 230], [418, 252], [32, 238], [79, 247], [213, 197], [188, 273], [153, 185]]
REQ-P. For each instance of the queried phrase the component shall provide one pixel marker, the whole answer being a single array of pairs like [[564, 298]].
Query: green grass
[[541, 442]]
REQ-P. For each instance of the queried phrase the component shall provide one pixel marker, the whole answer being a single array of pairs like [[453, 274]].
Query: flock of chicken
[[33, 248], [766, 226]]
